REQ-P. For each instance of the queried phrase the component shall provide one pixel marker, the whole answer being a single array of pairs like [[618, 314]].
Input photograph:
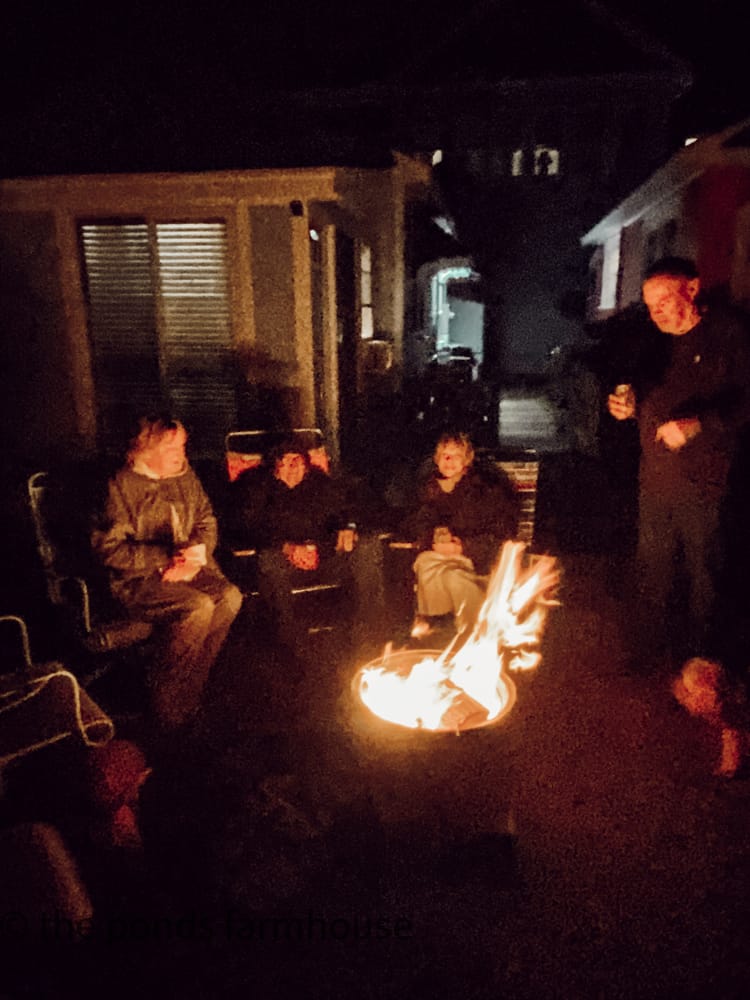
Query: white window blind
[[160, 324]]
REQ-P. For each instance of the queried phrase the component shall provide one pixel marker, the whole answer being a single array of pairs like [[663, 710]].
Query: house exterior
[[696, 205], [543, 113], [234, 297], [538, 112]]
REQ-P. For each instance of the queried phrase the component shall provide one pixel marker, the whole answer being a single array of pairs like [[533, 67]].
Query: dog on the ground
[[705, 689]]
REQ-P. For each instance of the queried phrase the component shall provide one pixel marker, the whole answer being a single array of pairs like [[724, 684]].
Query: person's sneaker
[[431, 627], [421, 627]]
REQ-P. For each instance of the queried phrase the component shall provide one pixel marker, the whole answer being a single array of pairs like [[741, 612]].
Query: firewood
[[464, 712]]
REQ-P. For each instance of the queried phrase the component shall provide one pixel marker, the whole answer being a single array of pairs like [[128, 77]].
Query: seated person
[[298, 518], [157, 539], [465, 514]]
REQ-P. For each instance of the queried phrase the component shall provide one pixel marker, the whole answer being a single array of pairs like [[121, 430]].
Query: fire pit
[[446, 804], [413, 688], [467, 685]]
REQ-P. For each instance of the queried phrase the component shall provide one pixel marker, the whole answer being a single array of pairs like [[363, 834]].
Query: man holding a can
[[691, 412]]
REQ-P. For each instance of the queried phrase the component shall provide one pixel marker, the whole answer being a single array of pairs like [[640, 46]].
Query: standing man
[[157, 540], [690, 414]]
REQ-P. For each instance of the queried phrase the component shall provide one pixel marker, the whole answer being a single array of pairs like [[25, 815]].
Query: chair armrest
[[113, 632], [117, 635], [81, 602], [25, 646]]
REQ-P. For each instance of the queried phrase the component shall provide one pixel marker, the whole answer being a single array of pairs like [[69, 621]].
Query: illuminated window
[[367, 326], [544, 161]]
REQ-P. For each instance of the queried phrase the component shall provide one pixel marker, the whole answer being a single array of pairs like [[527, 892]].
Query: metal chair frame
[[71, 593], [24, 645]]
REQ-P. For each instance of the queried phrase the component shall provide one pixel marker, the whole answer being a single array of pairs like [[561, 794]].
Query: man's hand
[[180, 570], [621, 407], [195, 554], [676, 433], [302, 556], [445, 543], [186, 564]]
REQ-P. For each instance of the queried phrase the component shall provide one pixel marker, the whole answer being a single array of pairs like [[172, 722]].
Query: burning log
[[464, 712]]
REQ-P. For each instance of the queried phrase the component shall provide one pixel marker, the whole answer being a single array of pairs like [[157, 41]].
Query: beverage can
[[348, 537]]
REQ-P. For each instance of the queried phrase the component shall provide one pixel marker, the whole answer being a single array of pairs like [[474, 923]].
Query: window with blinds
[[160, 324]]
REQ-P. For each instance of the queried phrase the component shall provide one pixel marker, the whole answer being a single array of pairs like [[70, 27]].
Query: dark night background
[[630, 874], [65, 65]]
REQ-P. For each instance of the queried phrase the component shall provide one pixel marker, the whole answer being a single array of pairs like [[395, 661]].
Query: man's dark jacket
[[267, 513]]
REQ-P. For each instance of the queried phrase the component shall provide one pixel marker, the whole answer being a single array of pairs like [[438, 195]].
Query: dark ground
[[580, 848]]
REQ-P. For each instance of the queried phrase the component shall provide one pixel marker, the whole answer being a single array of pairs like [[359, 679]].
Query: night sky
[[57, 58], [711, 35]]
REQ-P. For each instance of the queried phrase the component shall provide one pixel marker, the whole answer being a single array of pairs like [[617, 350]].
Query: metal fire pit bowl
[[434, 794], [401, 662]]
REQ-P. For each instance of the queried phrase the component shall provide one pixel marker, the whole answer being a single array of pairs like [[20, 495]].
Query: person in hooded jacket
[[156, 538]]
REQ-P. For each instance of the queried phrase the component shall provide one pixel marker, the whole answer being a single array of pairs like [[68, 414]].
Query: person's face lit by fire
[[670, 301], [452, 459], [165, 456], [290, 469]]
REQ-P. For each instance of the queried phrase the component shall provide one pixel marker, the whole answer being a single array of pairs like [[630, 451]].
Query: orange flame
[[470, 686]]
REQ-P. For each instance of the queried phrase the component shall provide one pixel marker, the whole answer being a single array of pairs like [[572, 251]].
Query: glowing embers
[[467, 685]]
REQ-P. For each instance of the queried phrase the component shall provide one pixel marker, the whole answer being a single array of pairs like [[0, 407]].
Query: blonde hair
[[149, 432], [457, 438]]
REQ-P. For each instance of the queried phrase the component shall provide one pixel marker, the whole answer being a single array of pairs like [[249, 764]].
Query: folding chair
[[246, 449], [92, 628], [42, 704], [14, 646], [522, 468]]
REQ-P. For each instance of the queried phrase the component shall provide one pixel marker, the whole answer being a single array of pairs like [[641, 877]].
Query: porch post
[[78, 349], [303, 327]]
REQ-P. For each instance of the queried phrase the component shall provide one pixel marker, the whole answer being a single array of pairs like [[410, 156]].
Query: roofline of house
[[686, 164], [473, 13], [554, 90], [212, 187], [98, 192]]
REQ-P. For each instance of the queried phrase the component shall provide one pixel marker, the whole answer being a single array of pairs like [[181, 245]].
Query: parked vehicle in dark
[[455, 359]]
